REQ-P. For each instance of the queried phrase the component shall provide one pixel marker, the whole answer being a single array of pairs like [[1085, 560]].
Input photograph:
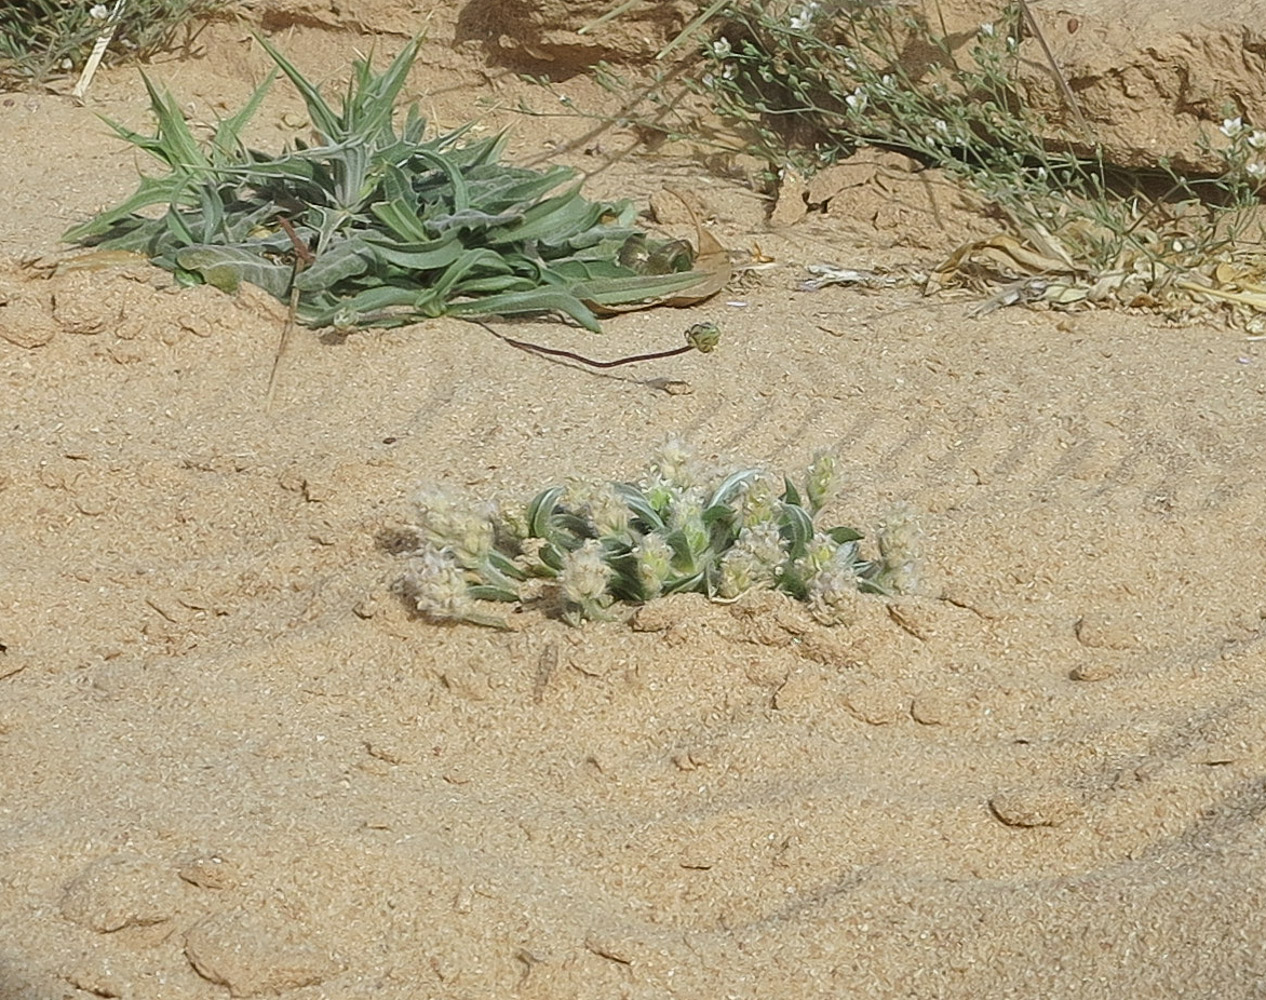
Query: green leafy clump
[[375, 226], [584, 547], [42, 38]]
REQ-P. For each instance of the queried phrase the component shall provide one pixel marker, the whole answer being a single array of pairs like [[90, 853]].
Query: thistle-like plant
[[374, 225], [677, 530]]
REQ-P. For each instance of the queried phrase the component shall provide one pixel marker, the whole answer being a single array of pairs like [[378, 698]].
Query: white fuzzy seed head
[[899, 548], [437, 584], [585, 575], [756, 501], [675, 463], [601, 505], [465, 529], [833, 595], [654, 564]]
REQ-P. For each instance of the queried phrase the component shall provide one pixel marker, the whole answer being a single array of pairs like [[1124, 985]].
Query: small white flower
[[857, 100], [1256, 170], [1258, 139], [1231, 127], [803, 19], [987, 30], [721, 48], [100, 12]]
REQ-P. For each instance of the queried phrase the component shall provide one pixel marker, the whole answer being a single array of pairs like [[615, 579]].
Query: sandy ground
[[231, 761]]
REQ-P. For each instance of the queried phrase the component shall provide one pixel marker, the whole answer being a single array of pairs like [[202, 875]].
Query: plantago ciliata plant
[[373, 225], [675, 531]]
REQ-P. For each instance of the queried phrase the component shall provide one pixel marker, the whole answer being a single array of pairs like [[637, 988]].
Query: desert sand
[[234, 762]]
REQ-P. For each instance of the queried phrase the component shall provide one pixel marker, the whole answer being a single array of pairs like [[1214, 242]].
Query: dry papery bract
[[585, 548]]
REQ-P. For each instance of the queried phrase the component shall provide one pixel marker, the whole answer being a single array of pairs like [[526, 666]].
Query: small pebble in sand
[[1029, 807], [1094, 671]]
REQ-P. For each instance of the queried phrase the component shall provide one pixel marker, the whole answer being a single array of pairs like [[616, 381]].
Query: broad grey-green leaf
[[427, 256], [345, 259], [227, 267]]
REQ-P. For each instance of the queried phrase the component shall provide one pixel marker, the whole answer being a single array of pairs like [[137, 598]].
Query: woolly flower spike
[[756, 502], [654, 564], [755, 560], [675, 463], [822, 481], [447, 523], [833, 595], [820, 553], [687, 517], [601, 504], [899, 549], [437, 585], [584, 580]]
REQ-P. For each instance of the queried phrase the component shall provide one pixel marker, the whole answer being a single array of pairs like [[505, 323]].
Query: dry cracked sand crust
[[233, 764]]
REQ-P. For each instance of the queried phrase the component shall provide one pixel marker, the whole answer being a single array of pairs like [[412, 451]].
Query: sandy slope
[[228, 753]]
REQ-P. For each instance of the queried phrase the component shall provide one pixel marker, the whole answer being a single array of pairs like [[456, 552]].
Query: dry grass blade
[[1036, 30]]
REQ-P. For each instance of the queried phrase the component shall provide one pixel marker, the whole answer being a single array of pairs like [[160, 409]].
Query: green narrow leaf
[[636, 501], [402, 220], [797, 528], [226, 143], [491, 592], [152, 191], [323, 117], [618, 291], [724, 493], [540, 512], [506, 566], [428, 256], [461, 196], [537, 300], [179, 148]]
